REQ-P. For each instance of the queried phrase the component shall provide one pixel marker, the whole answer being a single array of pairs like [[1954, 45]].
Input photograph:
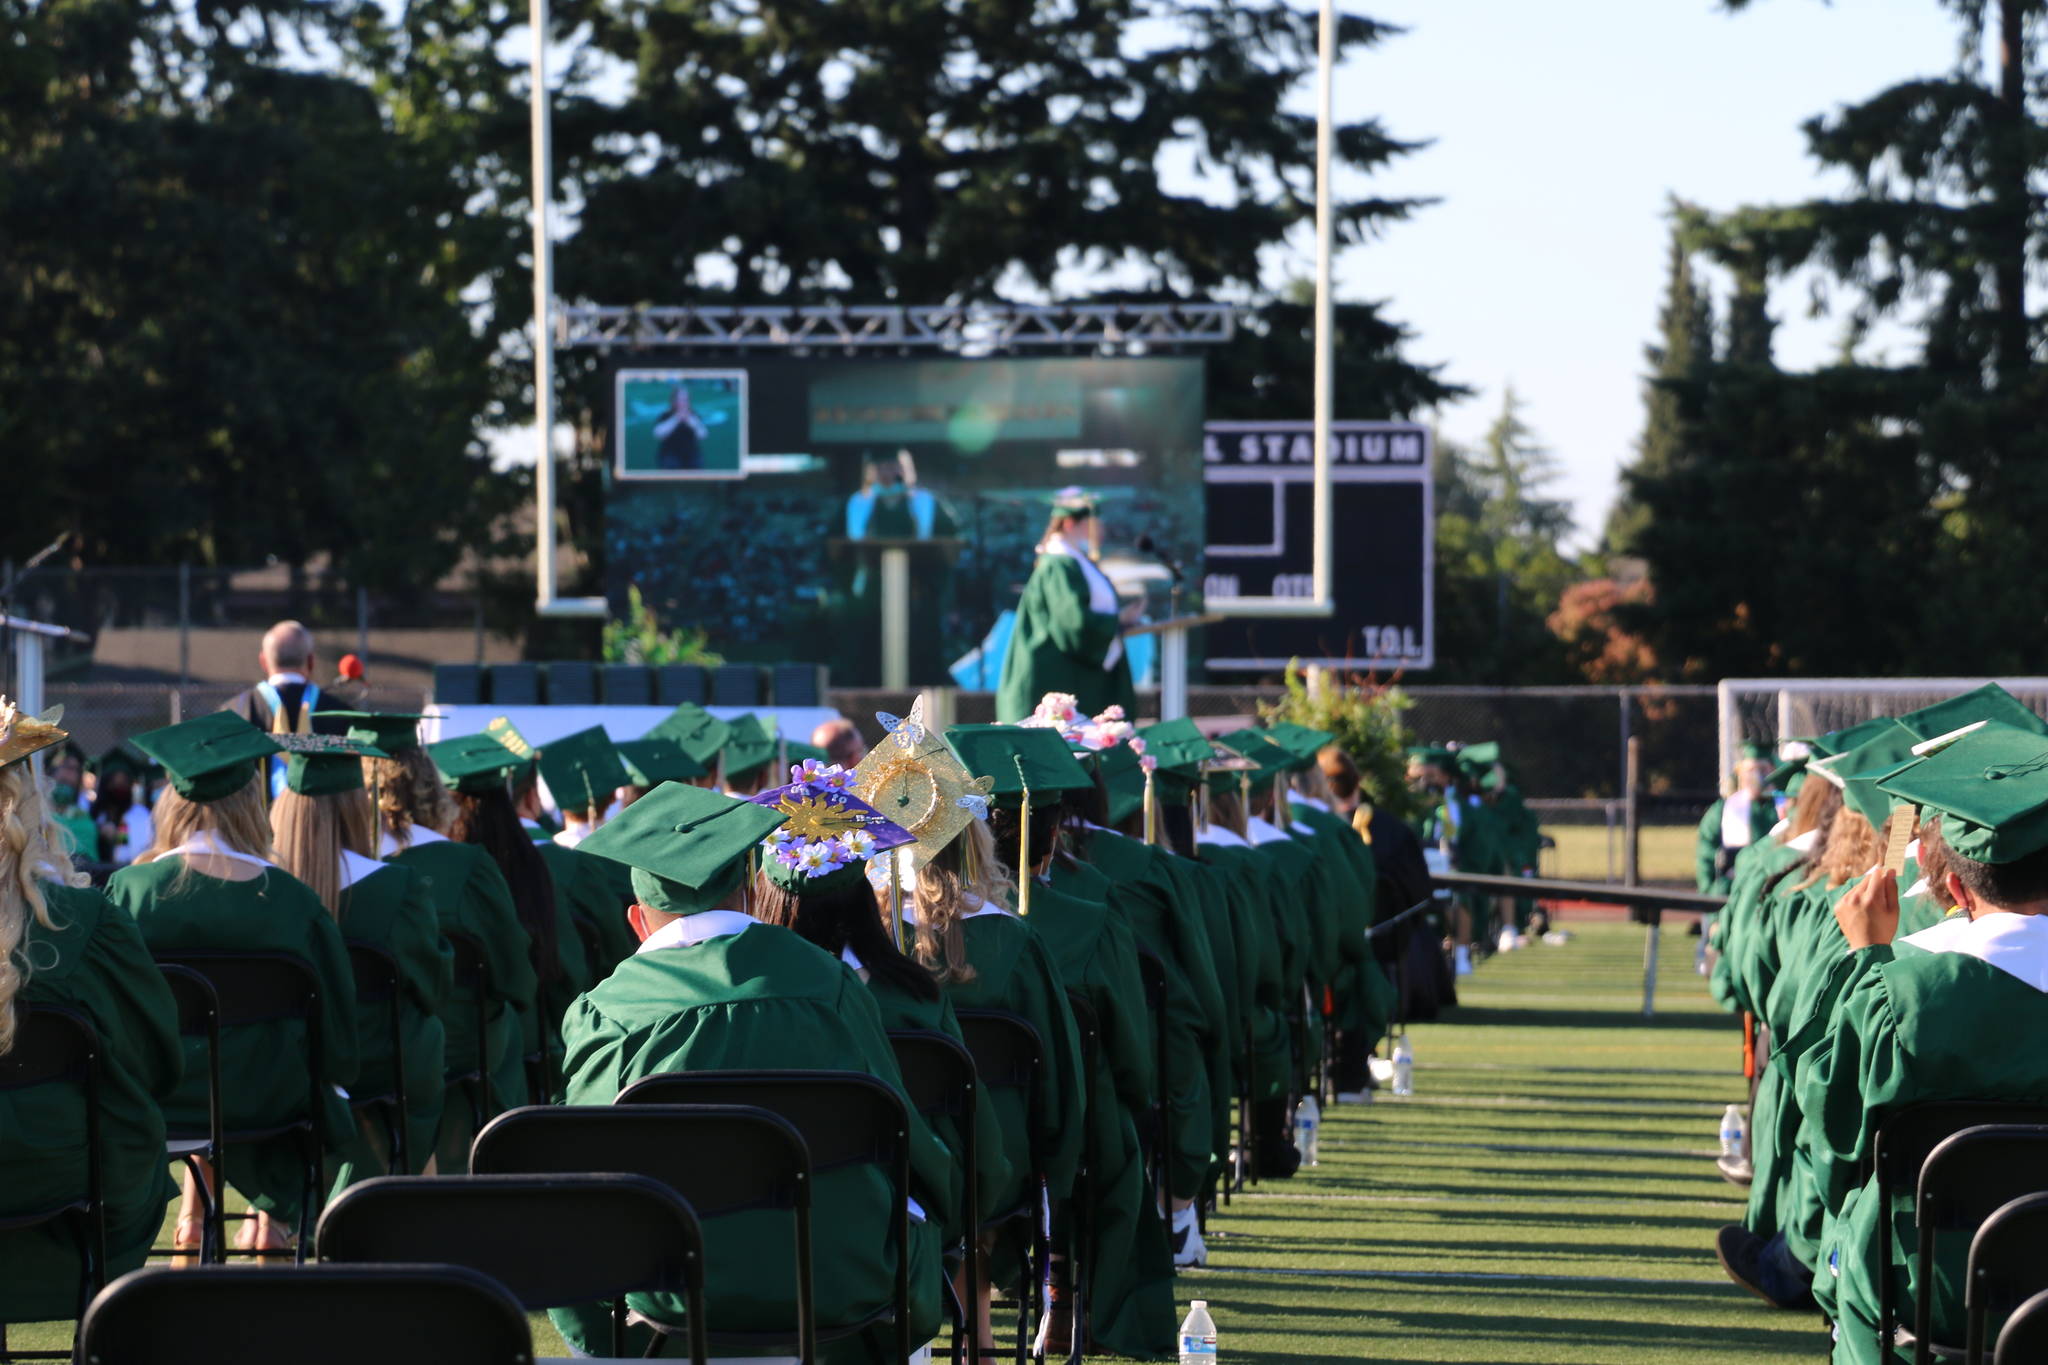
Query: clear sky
[[1560, 131]]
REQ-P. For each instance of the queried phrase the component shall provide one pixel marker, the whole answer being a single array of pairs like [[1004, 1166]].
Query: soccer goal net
[[1771, 710]]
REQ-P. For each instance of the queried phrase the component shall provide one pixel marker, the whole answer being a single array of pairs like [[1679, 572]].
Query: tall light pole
[[546, 603]]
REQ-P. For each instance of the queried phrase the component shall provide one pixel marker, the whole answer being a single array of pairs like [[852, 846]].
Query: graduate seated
[[711, 988], [62, 944]]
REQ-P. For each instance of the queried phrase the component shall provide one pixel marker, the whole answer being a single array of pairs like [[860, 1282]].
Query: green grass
[[1546, 1195], [1666, 853]]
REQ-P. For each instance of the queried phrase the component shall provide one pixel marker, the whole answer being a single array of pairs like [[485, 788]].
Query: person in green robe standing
[[1743, 816], [713, 989], [64, 945], [1932, 1015], [209, 883], [470, 896], [1068, 634], [324, 832]]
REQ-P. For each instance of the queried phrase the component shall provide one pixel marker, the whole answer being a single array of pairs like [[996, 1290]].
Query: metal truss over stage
[[967, 329]]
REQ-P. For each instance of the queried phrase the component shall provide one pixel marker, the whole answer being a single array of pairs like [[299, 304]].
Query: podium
[[1173, 659], [890, 558]]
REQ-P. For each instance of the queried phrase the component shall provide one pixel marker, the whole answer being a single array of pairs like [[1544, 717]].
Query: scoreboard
[[1259, 478]]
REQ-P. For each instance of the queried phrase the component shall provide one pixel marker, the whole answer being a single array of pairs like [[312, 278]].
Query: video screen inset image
[[682, 424]]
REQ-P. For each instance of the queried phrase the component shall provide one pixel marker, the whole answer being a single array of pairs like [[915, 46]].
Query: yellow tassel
[[1151, 811]]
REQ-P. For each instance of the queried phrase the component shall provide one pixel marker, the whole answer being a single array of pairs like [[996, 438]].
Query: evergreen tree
[[1684, 347]]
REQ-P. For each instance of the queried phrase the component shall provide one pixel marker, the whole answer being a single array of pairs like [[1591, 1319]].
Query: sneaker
[[1188, 1247], [1354, 1097], [1461, 961], [1381, 1070], [1736, 1170], [1743, 1255], [1508, 942], [1557, 938]]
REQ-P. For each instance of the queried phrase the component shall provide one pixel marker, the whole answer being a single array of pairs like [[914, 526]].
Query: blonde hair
[[963, 870], [1226, 808], [410, 792], [312, 832], [31, 852], [1853, 848], [240, 821]]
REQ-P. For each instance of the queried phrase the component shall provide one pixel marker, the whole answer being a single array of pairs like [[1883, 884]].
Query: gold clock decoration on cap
[[913, 778]]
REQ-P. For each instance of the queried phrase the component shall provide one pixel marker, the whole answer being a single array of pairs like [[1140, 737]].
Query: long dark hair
[[488, 821], [846, 917]]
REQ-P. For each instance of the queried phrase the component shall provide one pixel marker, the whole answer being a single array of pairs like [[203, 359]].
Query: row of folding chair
[[1977, 1169]]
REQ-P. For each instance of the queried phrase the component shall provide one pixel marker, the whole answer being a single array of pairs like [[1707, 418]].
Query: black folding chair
[[2025, 1338], [938, 1075], [1152, 971], [846, 1118], [2008, 1265], [315, 1315], [1965, 1180], [199, 1017], [377, 983], [473, 975], [250, 989], [1080, 1209], [722, 1159], [54, 1045], [1007, 1056], [630, 1234], [1904, 1142]]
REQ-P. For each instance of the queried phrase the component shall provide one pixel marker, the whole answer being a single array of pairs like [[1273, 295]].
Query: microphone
[[1147, 546]]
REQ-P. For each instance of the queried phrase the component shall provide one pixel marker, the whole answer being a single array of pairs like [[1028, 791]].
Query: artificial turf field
[[1548, 1193]]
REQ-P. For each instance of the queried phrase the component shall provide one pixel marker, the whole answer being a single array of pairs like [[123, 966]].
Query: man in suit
[[284, 702]]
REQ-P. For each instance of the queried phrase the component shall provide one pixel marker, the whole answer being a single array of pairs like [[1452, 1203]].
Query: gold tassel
[[896, 900], [1024, 846], [1151, 811]]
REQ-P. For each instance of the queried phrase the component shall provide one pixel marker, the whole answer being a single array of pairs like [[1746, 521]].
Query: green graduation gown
[[92, 961], [262, 1067], [387, 908], [1913, 1025], [470, 896], [762, 998], [1707, 874], [1058, 645], [1128, 1265], [596, 891]]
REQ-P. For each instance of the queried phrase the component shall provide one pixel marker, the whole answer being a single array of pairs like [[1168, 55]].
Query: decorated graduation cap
[[1302, 741], [1122, 770], [502, 730], [474, 764], [392, 731], [325, 765], [582, 770], [749, 744], [1074, 501], [22, 734], [657, 759], [689, 847], [209, 758], [1989, 702], [1990, 787], [828, 834], [915, 780], [701, 734]]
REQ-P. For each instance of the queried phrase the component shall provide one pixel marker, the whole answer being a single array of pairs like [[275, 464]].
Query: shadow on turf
[[1486, 1016]]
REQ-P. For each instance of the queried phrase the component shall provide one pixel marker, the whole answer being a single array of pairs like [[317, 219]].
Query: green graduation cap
[[1858, 771], [1434, 754], [1842, 741], [688, 846], [1990, 788], [701, 734], [507, 734], [392, 731], [474, 764], [1793, 756], [1013, 755], [1074, 501], [1123, 778], [655, 760], [324, 765], [582, 770], [1179, 745], [1989, 702], [1253, 744], [802, 753], [1300, 740], [210, 758], [749, 744], [122, 758]]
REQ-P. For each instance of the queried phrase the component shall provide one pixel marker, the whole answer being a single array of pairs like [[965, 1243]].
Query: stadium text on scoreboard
[[1260, 481]]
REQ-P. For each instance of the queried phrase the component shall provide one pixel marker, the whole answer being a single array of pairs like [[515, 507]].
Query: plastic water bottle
[[1404, 1066], [1197, 1335], [1731, 1131], [1308, 1123]]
